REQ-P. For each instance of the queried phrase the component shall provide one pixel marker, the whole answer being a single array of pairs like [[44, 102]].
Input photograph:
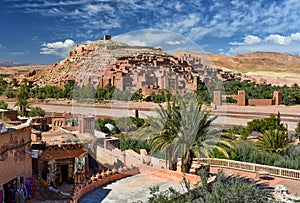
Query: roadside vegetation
[[88, 93], [271, 145], [290, 95]]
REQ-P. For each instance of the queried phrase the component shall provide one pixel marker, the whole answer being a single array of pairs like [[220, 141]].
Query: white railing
[[251, 167]]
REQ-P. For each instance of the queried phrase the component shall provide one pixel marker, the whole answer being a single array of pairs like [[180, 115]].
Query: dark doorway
[[34, 166], [64, 173]]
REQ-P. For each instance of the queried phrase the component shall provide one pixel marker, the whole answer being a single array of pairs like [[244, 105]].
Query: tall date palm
[[185, 131]]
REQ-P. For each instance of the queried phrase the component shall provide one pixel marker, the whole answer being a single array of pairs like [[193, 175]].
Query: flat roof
[[64, 154]]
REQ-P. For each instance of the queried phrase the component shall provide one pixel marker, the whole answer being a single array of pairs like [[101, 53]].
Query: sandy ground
[[276, 78], [131, 189]]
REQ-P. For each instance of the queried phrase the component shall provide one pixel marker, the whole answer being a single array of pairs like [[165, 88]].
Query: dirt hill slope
[[264, 67]]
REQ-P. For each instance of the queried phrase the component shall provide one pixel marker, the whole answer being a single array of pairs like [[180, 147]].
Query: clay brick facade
[[217, 98], [242, 101], [260, 102], [58, 122], [86, 125], [14, 162]]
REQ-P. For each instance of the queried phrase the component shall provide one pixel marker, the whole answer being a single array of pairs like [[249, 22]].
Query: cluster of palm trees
[[183, 130]]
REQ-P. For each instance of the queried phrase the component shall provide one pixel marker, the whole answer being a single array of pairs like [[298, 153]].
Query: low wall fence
[[251, 167], [170, 175], [101, 179]]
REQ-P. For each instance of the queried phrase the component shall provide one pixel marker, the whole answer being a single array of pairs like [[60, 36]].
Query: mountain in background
[[89, 60], [8, 64]]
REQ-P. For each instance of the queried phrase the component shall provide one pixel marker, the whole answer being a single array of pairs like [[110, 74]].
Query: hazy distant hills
[[8, 64]]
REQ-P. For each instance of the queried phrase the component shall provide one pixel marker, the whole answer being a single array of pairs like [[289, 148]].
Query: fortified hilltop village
[[106, 123]]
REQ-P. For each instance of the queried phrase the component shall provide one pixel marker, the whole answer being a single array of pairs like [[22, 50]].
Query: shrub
[[36, 111], [3, 104]]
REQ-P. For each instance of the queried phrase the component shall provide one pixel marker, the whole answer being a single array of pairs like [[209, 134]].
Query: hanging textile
[[79, 164], [32, 187], [28, 188]]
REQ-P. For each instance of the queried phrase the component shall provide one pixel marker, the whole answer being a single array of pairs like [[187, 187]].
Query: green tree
[[162, 130], [124, 124], [261, 125], [36, 111], [197, 137], [22, 99], [68, 89], [184, 131], [275, 141], [14, 82], [134, 144], [3, 104]]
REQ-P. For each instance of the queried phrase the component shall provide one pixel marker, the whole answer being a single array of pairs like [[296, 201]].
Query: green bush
[[3, 104], [100, 125], [134, 144], [246, 152], [261, 125], [36, 111]]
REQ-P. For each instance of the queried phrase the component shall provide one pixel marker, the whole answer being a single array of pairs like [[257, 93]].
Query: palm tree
[[273, 140], [162, 130], [22, 97], [197, 137], [185, 131]]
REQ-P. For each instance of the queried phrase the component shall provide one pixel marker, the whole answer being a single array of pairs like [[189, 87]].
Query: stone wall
[[169, 175], [14, 161], [242, 101], [101, 179], [260, 102], [146, 164]]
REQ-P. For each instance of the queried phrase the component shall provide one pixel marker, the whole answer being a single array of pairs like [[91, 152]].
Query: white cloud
[[176, 42], [278, 39], [272, 43], [194, 19], [1, 46], [58, 48], [249, 39], [295, 36]]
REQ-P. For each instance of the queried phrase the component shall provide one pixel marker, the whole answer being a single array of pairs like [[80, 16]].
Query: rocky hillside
[[93, 59], [268, 67], [258, 61]]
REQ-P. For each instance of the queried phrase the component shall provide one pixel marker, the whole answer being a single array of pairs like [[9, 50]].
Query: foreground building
[[16, 182]]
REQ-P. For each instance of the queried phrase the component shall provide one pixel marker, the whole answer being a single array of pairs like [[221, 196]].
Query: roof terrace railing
[[251, 167]]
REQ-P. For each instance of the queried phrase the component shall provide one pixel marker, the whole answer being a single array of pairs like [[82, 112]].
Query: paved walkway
[[131, 189]]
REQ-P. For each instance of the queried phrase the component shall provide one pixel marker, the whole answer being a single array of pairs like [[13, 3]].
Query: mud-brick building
[[16, 182], [65, 163]]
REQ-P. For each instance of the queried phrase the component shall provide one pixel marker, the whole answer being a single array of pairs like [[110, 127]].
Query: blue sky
[[43, 31]]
